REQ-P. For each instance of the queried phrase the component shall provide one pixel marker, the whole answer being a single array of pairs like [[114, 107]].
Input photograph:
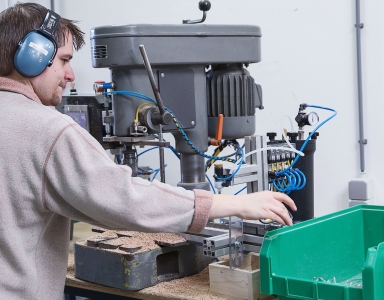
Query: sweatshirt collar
[[11, 85]]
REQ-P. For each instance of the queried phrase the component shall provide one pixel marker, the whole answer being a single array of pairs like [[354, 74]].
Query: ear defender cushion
[[34, 53]]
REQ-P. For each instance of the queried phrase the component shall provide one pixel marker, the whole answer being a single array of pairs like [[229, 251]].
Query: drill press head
[[200, 72]]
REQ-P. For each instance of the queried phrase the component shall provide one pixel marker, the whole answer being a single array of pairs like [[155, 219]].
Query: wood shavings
[[192, 287], [139, 240], [168, 238], [108, 233], [126, 233]]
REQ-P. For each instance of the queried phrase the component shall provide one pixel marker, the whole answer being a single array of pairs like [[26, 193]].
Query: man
[[52, 170]]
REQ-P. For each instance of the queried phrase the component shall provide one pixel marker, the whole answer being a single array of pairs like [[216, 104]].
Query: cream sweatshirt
[[51, 171]]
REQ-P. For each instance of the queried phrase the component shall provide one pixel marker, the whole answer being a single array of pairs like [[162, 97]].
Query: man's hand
[[255, 206]]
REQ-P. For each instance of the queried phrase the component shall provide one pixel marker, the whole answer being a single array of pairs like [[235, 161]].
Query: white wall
[[308, 56]]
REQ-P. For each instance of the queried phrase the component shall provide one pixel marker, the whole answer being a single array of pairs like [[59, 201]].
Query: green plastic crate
[[345, 249]]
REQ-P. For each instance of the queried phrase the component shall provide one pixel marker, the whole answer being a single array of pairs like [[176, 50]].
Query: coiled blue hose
[[311, 134]]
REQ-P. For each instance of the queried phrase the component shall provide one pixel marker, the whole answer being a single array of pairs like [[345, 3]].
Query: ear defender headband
[[38, 48]]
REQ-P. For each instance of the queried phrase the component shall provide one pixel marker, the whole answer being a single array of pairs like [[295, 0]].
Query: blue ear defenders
[[38, 48]]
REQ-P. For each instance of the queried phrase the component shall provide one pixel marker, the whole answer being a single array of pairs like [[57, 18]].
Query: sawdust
[[134, 239], [144, 240], [129, 243], [107, 234], [192, 287], [82, 243], [169, 238], [125, 233], [119, 241]]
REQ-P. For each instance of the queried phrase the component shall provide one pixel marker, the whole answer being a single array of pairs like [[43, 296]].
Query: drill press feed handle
[[204, 6]]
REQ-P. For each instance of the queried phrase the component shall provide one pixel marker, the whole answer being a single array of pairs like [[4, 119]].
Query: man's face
[[49, 85]]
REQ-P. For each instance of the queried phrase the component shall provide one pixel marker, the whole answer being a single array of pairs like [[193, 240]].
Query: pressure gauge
[[312, 118]]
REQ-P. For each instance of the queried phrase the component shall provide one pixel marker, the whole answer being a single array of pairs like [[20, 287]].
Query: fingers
[[264, 205], [282, 215], [276, 218], [284, 199], [278, 208]]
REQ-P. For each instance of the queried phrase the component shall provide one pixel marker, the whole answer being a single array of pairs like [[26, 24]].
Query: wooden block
[[237, 283]]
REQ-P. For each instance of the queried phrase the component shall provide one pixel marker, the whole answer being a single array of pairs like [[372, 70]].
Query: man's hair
[[18, 20]]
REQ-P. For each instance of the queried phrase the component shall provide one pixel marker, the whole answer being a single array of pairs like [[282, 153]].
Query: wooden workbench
[[194, 287]]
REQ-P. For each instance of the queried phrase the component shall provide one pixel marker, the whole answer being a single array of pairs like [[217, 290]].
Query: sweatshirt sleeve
[[81, 182]]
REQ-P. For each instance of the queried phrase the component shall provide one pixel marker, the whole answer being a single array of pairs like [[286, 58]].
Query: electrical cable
[[284, 172], [145, 151], [232, 154], [279, 189], [238, 192], [150, 169], [180, 129], [178, 156], [175, 120], [283, 183], [210, 183], [174, 151], [155, 172], [138, 109], [219, 149], [304, 179], [190, 144], [296, 181], [284, 134]]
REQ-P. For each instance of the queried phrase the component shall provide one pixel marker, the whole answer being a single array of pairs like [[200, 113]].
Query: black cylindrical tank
[[305, 198]]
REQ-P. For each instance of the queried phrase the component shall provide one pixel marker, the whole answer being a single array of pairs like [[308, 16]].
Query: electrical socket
[[362, 188]]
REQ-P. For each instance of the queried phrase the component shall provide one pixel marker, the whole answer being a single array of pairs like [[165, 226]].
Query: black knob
[[293, 136], [301, 119], [204, 5], [271, 135], [314, 136]]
